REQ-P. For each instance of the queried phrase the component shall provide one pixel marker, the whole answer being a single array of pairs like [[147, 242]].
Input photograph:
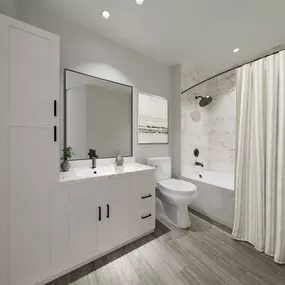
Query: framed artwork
[[152, 119]]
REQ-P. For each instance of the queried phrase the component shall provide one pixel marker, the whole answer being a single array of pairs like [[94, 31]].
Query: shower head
[[205, 101]]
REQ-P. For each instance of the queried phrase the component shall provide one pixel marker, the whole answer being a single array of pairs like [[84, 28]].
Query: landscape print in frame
[[152, 119]]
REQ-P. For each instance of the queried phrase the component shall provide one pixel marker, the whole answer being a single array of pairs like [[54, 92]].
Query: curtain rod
[[228, 70]]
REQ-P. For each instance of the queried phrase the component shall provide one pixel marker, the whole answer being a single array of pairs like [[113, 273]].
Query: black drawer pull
[[147, 216], [55, 133], [145, 197], [55, 108], [108, 211], [99, 214]]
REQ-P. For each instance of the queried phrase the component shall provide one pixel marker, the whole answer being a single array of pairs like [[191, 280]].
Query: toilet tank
[[162, 165]]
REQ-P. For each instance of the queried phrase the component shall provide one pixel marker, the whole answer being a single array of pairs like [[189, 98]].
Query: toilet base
[[177, 215]]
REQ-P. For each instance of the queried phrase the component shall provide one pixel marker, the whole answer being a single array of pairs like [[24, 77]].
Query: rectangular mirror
[[98, 115]]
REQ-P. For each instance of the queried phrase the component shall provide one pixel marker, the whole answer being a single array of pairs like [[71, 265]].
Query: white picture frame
[[153, 125]]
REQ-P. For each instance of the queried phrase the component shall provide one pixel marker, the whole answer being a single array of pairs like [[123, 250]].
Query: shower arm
[[197, 97]]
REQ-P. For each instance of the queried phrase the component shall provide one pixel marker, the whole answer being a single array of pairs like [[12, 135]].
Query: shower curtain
[[260, 156]]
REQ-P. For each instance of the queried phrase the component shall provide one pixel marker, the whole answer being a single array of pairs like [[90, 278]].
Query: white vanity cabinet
[[29, 90], [100, 215]]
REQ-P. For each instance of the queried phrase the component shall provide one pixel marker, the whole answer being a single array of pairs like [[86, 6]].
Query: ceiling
[[200, 34]]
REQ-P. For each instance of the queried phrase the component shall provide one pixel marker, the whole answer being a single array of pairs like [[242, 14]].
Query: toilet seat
[[178, 187]]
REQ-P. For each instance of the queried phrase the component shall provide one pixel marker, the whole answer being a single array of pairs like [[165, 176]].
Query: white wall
[[87, 52], [176, 124]]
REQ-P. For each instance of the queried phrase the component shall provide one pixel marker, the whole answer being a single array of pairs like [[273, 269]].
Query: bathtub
[[216, 197]]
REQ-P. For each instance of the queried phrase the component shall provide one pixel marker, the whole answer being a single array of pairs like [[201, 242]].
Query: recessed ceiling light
[[236, 50], [139, 2], [105, 14]]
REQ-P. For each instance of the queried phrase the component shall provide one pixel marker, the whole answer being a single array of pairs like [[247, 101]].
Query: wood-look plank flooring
[[201, 254]]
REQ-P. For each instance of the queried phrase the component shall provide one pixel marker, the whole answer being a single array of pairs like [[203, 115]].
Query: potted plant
[[67, 154]]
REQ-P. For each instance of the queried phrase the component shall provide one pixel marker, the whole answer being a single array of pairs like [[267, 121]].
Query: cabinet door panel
[[29, 80], [60, 260], [116, 229], [74, 224], [120, 208], [30, 187], [83, 234], [32, 66], [82, 220]]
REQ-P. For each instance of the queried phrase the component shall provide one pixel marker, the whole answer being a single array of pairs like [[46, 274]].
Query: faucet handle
[[92, 153]]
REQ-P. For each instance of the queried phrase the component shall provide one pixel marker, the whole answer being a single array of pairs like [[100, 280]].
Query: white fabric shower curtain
[[260, 156]]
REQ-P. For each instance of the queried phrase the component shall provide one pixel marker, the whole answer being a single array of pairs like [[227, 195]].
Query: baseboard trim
[[70, 269], [211, 221]]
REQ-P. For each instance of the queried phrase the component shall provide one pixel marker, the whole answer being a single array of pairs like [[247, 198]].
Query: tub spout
[[199, 164]]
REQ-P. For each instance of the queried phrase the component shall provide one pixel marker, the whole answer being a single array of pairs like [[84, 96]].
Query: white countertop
[[77, 174]]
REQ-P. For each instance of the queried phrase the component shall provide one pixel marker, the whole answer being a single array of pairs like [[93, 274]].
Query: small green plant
[[67, 153]]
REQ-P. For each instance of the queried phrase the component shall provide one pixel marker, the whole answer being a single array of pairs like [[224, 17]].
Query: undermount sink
[[84, 172], [90, 172]]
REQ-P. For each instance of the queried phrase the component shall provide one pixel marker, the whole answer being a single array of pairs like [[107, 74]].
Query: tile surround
[[210, 129]]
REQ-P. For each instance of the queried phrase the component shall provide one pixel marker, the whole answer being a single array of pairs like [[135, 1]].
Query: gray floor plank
[[202, 254], [125, 271]]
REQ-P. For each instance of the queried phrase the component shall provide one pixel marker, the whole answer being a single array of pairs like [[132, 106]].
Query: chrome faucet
[[92, 155]]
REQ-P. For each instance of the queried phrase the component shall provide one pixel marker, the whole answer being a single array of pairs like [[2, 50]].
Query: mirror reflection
[[98, 115]]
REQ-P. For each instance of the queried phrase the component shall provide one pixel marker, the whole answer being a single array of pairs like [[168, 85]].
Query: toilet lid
[[178, 186]]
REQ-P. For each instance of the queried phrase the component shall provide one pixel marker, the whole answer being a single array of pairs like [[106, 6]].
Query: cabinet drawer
[[143, 183], [143, 193], [146, 193], [144, 223], [146, 206], [144, 216], [146, 197]]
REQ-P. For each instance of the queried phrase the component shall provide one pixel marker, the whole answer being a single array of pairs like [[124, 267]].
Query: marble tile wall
[[210, 129], [194, 129], [190, 77]]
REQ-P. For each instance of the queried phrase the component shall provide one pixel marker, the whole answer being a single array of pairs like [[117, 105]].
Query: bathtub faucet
[[199, 164]]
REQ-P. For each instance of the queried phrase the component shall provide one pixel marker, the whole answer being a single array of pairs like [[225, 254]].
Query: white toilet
[[172, 195]]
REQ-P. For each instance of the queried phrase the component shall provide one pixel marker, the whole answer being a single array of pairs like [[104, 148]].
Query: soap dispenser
[[119, 160]]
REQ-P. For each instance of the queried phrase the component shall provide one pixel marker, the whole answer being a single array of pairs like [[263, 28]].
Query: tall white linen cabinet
[[29, 151]]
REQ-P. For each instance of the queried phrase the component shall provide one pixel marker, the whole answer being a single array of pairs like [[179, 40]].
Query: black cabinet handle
[[145, 197], [100, 218], [55, 133], [147, 216], [55, 108], [108, 211]]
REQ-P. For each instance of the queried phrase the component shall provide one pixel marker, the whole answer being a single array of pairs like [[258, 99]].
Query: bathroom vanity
[[97, 213], [52, 223]]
